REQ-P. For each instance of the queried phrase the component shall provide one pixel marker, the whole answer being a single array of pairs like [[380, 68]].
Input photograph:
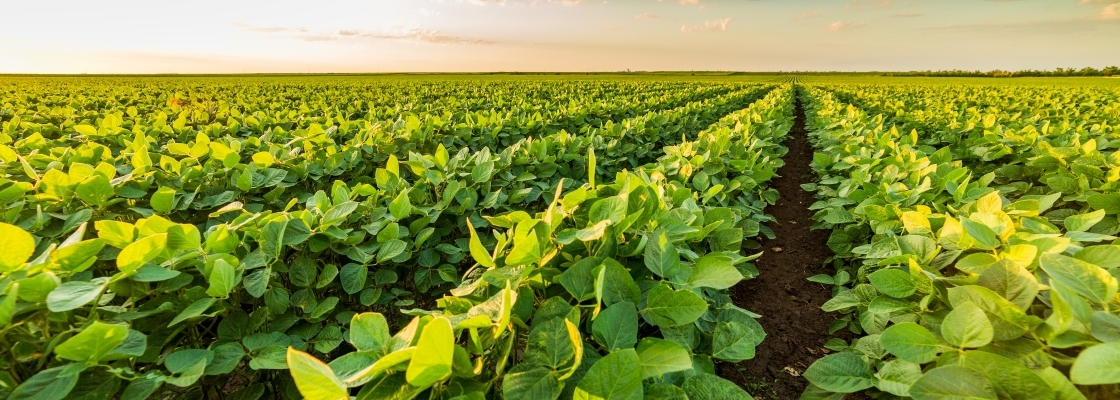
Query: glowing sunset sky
[[560, 35]]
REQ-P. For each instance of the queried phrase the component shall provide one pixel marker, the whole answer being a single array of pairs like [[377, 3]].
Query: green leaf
[[74, 294], [1105, 256], [618, 376], [660, 357], [221, 279], [616, 327], [479, 252], [48, 384], [353, 277], [952, 382], [983, 237], [843, 372], [531, 383], [1088, 280], [434, 353], [525, 251], [76, 257], [668, 307], [16, 247], [400, 207], [183, 237], [910, 342], [390, 250], [369, 332], [339, 212], [706, 386], [1083, 222], [85, 129], [893, 282], [896, 377], [1010, 379], [163, 199], [591, 167], [116, 233], [133, 256], [713, 271], [733, 341], [1012, 282], [661, 256], [193, 310], [95, 190], [92, 343], [609, 209], [314, 379], [967, 326], [1097, 365]]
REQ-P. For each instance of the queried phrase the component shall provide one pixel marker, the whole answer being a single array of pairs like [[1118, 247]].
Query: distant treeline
[[997, 73]]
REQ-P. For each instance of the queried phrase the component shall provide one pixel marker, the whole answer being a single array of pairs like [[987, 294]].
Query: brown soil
[[790, 305]]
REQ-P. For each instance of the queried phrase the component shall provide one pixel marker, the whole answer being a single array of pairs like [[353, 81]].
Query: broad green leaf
[[384, 363], [1105, 256], [910, 342], [48, 384], [1012, 282], [75, 294], [1097, 365], [433, 358], [390, 250], [400, 207], [95, 190], [733, 341], [706, 386], [660, 357], [163, 199], [668, 307], [616, 327], [531, 383], [221, 279], [893, 282], [193, 310], [92, 343], [133, 256], [661, 256], [525, 251], [713, 272], [896, 377], [1083, 222], [1088, 280], [967, 326], [369, 332], [591, 167], [478, 252], [1010, 379], [983, 237], [119, 234], [843, 372], [16, 247], [313, 378], [618, 376], [952, 382]]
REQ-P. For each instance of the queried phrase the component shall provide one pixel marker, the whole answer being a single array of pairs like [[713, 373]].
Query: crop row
[[168, 291], [969, 270]]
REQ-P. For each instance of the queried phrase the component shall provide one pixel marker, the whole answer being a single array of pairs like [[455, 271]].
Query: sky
[[238, 36]]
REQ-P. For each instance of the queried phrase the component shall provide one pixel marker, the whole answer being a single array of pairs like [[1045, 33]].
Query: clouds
[[713, 25], [844, 25], [908, 15], [808, 15], [415, 34], [1111, 12], [647, 16]]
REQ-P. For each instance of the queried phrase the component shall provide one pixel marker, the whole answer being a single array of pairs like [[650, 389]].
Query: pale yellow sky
[[209, 36]]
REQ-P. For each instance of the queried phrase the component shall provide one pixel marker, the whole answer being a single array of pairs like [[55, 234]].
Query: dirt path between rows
[[796, 327]]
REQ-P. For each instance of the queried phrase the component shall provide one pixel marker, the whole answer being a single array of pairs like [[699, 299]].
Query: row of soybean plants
[[967, 269], [590, 296], [120, 278]]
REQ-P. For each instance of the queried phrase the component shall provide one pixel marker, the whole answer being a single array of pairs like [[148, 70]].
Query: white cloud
[[713, 25], [810, 14], [1097, 1], [908, 15], [690, 1], [1111, 12], [647, 15], [844, 25], [868, 4]]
